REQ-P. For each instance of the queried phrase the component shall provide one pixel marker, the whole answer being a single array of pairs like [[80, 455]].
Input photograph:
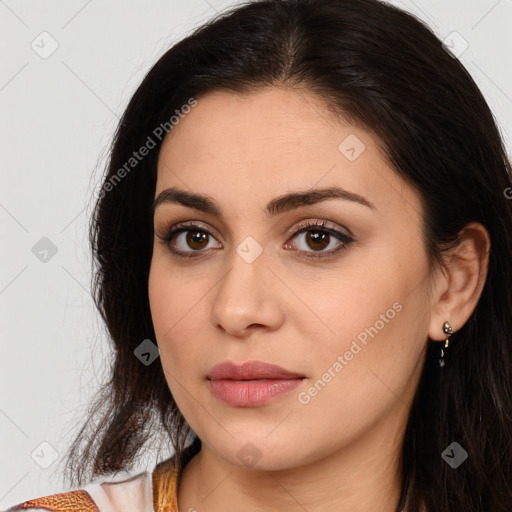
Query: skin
[[341, 450]]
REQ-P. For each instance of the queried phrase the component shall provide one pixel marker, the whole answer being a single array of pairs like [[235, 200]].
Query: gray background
[[58, 114]]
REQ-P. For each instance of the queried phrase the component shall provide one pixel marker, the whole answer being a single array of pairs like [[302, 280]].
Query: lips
[[251, 384], [250, 370]]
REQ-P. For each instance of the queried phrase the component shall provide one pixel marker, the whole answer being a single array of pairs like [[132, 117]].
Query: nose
[[247, 298]]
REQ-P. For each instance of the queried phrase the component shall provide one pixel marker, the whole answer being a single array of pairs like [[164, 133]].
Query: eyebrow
[[277, 206]]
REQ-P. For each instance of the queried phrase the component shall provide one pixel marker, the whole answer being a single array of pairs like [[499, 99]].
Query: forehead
[[274, 140], [274, 119]]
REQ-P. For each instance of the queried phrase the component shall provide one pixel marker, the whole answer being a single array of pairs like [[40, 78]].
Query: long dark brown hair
[[385, 70]]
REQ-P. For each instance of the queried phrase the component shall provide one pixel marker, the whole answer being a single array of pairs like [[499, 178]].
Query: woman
[[306, 210]]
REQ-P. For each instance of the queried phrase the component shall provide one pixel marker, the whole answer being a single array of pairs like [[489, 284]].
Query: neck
[[364, 475]]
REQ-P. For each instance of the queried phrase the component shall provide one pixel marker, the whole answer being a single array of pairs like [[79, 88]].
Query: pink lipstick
[[251, 384]]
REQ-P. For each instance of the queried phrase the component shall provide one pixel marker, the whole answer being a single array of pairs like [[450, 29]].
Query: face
[[332, 286]]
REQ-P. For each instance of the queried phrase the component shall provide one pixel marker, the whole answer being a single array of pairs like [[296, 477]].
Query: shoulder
[[154, 491], [122, 493]]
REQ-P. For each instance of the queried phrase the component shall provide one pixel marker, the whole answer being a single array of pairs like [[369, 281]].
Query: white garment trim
[[130, 495]]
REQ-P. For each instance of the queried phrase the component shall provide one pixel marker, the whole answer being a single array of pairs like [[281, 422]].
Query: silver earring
[[447, 329]]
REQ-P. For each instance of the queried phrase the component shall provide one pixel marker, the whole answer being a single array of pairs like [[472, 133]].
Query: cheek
[[163, 304], [178, 310], [359, 296], [364, 373], [377, 318], [168, 310]]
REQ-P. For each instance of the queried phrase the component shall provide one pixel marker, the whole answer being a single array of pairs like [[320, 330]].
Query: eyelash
[[306, 226]]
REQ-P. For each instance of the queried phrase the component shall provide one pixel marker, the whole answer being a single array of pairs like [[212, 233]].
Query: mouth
[[250, 370], [251, 393], [251, 384]]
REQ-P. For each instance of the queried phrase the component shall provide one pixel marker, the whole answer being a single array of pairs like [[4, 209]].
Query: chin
[[260, 453]]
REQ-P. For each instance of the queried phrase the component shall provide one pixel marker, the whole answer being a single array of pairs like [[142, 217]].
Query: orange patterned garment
[[164, 485], [73, 501]]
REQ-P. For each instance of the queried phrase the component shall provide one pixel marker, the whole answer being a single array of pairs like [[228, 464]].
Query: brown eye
[[313, 238], [196, 239], [317, 240], [187, 240]]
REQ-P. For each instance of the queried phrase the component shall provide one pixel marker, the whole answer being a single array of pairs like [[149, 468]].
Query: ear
[[458, 288]]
